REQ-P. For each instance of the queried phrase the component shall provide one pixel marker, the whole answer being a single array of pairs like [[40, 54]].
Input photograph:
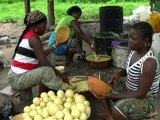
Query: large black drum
[[111, 19]]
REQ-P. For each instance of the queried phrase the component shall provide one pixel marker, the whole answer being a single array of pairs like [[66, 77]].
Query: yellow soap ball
[[81, 107], [51, 93], [75, 113], [45, 99], [58, 101], [68, 105], [52, 109], [49, 118], [86, 102], [68, 117], [60, 94], [36, 101], [39, 111], [59, 115], [43, 94], [42, 104], [38, 117], [33, 113], [80, 99], [53, 98], [45, 114], [38, 108], [69, 93], [25, 115], [83, 116], [27, 109], [49, 103], [69, 100], [66, 111], [88, 109], [33, 106]]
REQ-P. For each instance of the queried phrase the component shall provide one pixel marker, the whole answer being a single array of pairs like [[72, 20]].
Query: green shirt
[[66, 21]]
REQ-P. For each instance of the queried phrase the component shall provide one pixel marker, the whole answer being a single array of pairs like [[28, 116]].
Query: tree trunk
[[27, 6], [51, 18]]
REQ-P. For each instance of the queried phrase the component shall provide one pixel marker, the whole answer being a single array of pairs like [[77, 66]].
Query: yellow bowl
[[17, 117], [98, 61], [103, 88], [98, 58], [62, 34]]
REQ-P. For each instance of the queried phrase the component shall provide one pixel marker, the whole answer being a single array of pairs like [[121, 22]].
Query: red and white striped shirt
[[25, 58]]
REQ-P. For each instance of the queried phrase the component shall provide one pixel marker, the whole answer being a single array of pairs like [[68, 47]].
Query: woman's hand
[[65, 78], [56, 44], [115, 78], [103, 96], [62, 76]]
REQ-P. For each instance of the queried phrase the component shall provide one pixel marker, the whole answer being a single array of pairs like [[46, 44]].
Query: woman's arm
[[50, 49], [79, 31], [116, 76], [52, 44], [145, 81], [37, 46]]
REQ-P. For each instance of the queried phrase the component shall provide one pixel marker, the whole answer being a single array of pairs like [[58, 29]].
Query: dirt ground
[[11, 29], [15, 30]]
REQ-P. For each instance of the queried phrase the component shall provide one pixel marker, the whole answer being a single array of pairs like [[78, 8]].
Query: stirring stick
[[99, 77], [95, 55]]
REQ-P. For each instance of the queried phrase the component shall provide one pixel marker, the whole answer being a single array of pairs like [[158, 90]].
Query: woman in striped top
[[136, 100], [30, 66]]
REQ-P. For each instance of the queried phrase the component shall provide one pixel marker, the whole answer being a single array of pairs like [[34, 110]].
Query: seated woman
[[138, 95], [76, 35], [30, 66]]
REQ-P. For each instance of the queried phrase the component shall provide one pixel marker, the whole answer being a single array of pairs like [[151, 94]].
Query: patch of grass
[[15, 11]]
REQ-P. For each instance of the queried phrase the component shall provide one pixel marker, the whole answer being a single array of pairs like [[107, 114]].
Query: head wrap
[[34, 17]]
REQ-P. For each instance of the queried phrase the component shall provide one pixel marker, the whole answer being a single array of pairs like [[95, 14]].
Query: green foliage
[[15, 11]]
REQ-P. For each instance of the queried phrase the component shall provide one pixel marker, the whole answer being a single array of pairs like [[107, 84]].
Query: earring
[[36, 30], [145, 44]]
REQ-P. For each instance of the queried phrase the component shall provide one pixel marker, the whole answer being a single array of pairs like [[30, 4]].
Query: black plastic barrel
[[111, 19]]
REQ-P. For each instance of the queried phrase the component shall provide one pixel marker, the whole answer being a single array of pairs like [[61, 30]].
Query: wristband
[[92, 46], [54, 46]]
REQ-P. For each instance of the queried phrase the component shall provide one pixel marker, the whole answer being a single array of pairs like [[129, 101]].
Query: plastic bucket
[[120, 54]]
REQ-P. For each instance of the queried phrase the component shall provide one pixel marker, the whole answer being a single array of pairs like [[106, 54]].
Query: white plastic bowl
[[60, 68]]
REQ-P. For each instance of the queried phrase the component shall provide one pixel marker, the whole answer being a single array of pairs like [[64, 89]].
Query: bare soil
[[11, 29]]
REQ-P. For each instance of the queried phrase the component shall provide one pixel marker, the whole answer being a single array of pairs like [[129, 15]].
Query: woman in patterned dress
[[30, 66]]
